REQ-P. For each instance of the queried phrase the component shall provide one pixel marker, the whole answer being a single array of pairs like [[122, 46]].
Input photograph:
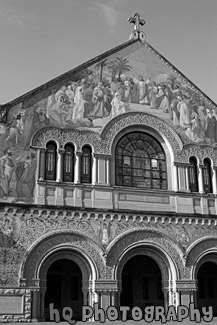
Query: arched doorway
[[141, 283], [64, 287], [207, 286]]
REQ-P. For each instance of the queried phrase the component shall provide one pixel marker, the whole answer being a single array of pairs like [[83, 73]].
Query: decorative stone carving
[[186, 285], [62, 240], [149, 237], [106, 285], [148, 251], [205, 246], [201, 152], [102, 144]]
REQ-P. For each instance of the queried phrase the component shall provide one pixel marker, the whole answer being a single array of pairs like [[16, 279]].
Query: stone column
[[214, 181], [42, 300], [175, 177], [60, 165], [41, 174], [187, 178], [77, 178], [200, 177], [107, 291], [187, 290], [108, 171], [94, 169], [35, 304], [85, 297]]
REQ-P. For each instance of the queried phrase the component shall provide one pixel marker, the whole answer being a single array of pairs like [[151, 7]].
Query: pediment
[[134, 77]]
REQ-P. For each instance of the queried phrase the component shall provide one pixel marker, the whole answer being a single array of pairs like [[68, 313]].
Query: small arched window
[[50, 161], [193, 175], [207, 176], [68, 163], [86, 165], [140, 162]]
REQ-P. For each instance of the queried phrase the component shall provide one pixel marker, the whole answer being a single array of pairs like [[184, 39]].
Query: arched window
[[86, 165], [140, 162], [207, 176], [50, 161], [68, 163], [193, 175]]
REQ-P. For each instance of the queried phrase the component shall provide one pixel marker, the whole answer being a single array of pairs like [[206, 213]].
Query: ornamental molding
[[106, 285], [99, 233], [201, 152], [102, 143], [61, 241], [205, 247], [186, 285], [157, 241], [152, 252], [78, 259]]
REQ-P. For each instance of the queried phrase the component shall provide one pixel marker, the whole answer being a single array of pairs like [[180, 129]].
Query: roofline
[[66, 74], [168, 63], [96, 59]]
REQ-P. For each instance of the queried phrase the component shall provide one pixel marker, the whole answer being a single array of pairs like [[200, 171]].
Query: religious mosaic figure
[[25, 177], [6, 172], [6, 234], [99, 101]]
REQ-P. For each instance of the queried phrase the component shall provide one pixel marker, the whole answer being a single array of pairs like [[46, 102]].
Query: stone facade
[[99, 225]]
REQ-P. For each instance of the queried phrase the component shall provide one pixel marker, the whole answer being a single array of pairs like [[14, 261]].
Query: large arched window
[[68, 163], [207, 176], [86, 165], [140, 162], [193, 175], [50, 161]]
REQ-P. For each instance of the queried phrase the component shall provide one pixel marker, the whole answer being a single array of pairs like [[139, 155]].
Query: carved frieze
[[100, 235], [102, 144]]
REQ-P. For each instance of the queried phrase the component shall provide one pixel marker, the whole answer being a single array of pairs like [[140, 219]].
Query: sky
[[41, 39]]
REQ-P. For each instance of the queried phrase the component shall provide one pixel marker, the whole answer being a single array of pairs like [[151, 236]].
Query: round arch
[[69, 254], [156, 243], [156, 136], [203, 251], [148, 246], [146, 250], [78, 245]]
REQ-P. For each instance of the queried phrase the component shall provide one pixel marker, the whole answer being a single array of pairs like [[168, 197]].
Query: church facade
[[108, 189]]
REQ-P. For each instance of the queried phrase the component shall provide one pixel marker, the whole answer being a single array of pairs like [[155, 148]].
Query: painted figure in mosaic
[[117, 106], [211, 126], [78, 110], [183, 109], [6, 234], [143, 89], [25, 177], [193, 130], [6, 172], [99, 100], [15, 128]]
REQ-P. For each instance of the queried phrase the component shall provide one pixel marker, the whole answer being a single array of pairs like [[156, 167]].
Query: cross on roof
[[137, 21]]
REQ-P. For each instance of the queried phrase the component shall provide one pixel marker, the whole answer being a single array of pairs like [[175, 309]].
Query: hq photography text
[[123, 313]]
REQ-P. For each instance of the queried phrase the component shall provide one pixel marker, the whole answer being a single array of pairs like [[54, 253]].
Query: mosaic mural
[[134, 78]]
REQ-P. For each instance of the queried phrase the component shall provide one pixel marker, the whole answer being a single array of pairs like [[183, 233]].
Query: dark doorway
[[64, 283], [141, 283], [207, 286]]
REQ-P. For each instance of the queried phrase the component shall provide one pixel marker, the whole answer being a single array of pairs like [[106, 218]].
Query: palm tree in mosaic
[[100, 66], [113, 69], [122, 65]]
